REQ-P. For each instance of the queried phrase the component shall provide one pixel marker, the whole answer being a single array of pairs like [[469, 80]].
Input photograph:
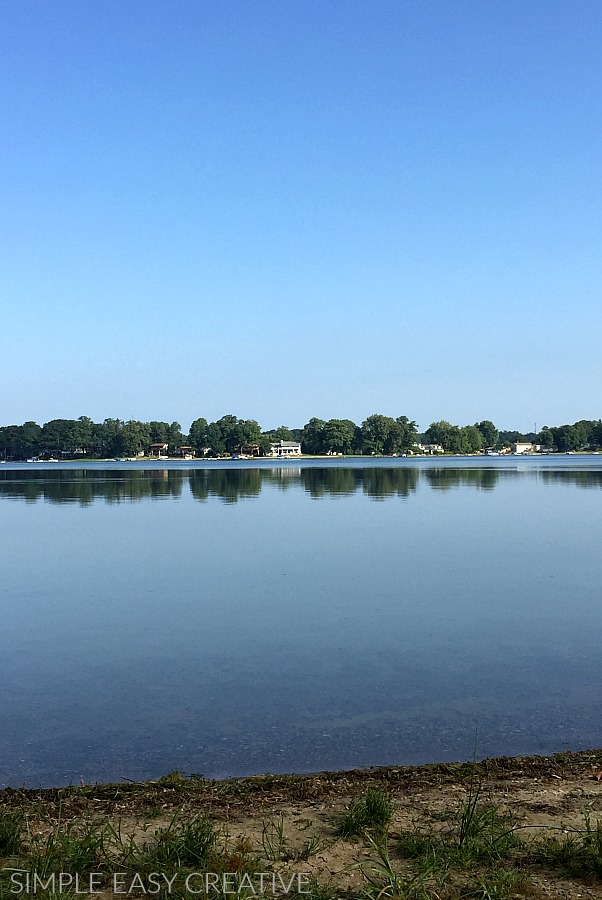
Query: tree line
[[376, 435]]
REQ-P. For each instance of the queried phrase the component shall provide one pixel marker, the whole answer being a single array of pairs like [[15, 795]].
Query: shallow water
[[251, 617]]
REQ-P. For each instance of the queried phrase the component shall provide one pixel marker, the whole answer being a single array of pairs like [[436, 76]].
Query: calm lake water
[[245, 618]]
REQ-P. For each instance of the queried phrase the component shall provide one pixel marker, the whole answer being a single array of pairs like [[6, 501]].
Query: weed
[[69, 849], [372, 809], [273, 840], [11, 827], [277, 848], [181, 844], [316, 891], [42, 894], [312, 845], [499, 884], [578, 852], [476, 833], [384, 881]]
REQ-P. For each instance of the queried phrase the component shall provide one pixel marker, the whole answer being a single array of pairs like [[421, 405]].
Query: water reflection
[[579, 478], [482, 479], [84, 486], [295, 617]]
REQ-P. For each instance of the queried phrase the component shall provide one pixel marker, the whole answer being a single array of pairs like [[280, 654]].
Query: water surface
[[258, 618]]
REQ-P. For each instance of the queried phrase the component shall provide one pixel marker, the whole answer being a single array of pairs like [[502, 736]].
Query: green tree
[[545, 438], [596, 434], [376, 430], [312, 437], [215, 440], [198, 437], [29, 439], [489, 432], [584, 429], [471, 439], [440, 433], [246, 431], [135, 437], [159, 432], [228, 429], [402, 437], [58, 436], [338, 436], [107, 438], [174, 438], [282, 433], [567, 437], [11, 445]]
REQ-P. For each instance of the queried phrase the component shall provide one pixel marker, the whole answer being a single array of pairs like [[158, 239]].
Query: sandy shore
[[291, 824]]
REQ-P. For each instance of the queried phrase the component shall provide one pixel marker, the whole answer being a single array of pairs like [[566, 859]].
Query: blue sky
[[287, 209]]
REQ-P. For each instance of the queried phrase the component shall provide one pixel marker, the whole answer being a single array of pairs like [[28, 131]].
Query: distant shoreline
[[301, 458]]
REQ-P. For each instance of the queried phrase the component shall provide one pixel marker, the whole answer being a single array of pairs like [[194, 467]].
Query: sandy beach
[[535, 824]]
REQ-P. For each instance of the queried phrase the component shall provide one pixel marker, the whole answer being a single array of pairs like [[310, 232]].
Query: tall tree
[[29, 439], [376, 430], [174, 438], [198, 436], [489, 432], [312, 437], [135, 438], [215, 439], [159, 432], [403, 436], [440, 433], [471, 439], [338, 436]]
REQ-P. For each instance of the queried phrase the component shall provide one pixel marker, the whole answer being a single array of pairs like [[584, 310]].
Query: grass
[[71, 848], [472, 849], [183, 843], [471, 852], [372, 809], [186, 844], [11, 827], [578, 852], [278, 848], [383, 881], [491, 838]]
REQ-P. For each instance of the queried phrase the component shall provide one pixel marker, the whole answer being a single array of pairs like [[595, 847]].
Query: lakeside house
[[248, 450], [158, 449], [430, 449], [519, 447], [285, 448]]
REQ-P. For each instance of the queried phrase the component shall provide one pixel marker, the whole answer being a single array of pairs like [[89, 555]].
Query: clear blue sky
[[296, 208]]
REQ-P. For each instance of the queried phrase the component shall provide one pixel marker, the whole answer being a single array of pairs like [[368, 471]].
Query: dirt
[[542, 795]]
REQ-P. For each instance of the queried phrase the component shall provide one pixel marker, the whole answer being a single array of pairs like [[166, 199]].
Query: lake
[[239, 618]]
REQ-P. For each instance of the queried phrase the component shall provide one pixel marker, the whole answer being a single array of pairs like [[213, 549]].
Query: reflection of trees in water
[[319, 482], [381, 483], [482, 479], [376, 483], [579, 477], [229, 485], [83, 486]]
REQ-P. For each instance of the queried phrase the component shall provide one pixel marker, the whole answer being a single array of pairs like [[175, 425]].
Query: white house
[[285, 448], [523, 447]]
